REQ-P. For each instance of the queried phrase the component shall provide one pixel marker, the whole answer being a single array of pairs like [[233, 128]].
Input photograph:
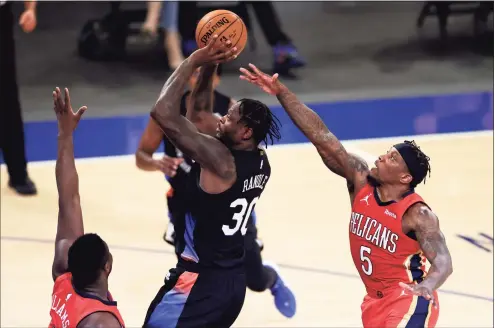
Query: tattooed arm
[[209, 152], [432, 241], [331, 150]]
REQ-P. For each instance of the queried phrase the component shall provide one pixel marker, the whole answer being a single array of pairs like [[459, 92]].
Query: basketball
[[226, 24]]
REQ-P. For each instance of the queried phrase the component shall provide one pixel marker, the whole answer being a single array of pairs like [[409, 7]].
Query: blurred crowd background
[[116, 55]]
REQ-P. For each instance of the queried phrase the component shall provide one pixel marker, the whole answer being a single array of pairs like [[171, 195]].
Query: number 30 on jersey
[[241, 217], [366, 265]]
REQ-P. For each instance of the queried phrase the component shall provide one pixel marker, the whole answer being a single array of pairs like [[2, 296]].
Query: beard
[[373, 181], [225, 139]]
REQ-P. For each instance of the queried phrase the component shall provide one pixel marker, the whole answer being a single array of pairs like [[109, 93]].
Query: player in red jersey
[[391, 228], [82, 262]]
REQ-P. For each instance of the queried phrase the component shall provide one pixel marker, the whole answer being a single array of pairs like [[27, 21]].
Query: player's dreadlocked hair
[[422, 164], [258, 117], [87, 257]]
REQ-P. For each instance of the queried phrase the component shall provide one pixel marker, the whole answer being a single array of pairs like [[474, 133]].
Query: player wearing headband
[[392, 231]]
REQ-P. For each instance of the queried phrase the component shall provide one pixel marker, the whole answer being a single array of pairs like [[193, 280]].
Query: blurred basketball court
[[302, 216]]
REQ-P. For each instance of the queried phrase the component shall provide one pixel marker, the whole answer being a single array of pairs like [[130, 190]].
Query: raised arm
[[70, 222], [331, 150], [209, 152], [201, 97]]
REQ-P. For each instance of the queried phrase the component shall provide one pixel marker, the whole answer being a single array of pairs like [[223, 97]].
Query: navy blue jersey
[[178, 200], [212, 234], [221, 106]]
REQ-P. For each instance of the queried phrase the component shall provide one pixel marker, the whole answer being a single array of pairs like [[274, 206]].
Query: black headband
[[410, 156]]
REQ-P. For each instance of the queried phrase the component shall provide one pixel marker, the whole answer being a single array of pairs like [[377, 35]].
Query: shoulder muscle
[[361, 171], [421, 219]]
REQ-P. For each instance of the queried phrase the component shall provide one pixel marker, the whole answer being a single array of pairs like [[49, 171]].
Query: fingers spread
[[247, 73], [406, 286], [60, 101], [54, 95], [209, 46], [256, 70], [67, 99], [80, 112], [224, 56]]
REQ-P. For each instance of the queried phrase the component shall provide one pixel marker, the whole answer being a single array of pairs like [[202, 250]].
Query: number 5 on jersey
[[367, 266], [241, 217]]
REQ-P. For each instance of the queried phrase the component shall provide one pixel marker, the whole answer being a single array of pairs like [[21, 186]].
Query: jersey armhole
[[361, 192], [60, 279], [198, 183]]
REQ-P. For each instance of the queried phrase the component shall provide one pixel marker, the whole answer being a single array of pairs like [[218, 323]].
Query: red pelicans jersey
[[382, 253], [70, 307]]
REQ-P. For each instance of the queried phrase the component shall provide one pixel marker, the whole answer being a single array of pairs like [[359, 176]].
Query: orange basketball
[[224, 23]]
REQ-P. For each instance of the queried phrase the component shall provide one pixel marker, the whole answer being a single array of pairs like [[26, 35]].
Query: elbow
[[446, 263], [450, 268], [163, 118], [138, 159], [156, 114], [142, 157]]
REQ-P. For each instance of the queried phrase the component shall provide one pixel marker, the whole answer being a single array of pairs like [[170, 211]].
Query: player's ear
[[108, 265], [406, 179], [247, 133]]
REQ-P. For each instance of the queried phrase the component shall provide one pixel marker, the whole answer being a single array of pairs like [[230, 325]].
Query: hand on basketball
[[215, 52], [267, 83], [67, 119], [420, 290], [169, 165]]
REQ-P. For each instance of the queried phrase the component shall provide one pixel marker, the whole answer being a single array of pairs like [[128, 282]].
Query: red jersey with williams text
[[69, 306]]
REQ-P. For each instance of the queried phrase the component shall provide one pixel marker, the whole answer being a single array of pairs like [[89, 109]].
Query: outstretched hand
[[67, 119], [214, 53], [267, 83], [420, 290]]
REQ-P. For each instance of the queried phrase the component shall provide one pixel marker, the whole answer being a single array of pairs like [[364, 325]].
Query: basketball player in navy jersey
[[228, 175], [172, 164], [200, 101]]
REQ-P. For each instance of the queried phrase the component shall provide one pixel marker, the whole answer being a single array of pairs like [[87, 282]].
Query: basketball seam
[[212, 19], [228, 28], [242, 31]]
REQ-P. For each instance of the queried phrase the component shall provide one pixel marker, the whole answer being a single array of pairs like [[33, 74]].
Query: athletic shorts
[[399, 309], [189, 299]]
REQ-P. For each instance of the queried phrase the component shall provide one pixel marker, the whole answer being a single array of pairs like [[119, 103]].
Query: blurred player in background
[[82, 262], [391, 229]]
